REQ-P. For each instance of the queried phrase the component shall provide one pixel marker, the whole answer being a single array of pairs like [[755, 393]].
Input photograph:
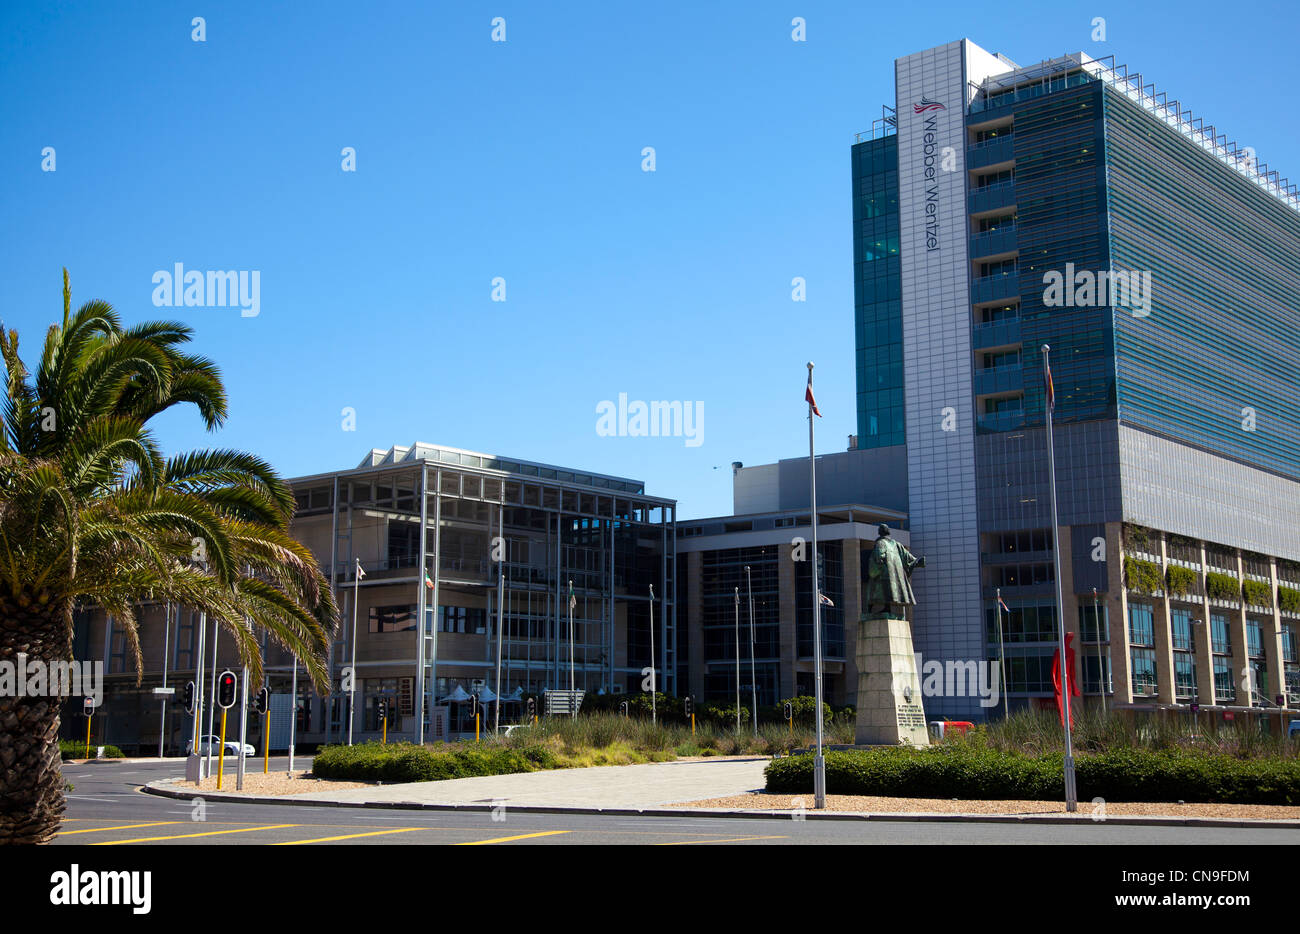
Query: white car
[[214, 742]]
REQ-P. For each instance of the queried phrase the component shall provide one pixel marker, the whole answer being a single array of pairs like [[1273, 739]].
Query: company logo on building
[[929, 154]]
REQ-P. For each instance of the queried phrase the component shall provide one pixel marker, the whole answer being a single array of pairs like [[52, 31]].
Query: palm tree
[[92, 514]]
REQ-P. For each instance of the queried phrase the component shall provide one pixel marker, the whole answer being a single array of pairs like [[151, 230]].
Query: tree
[[92, 514]]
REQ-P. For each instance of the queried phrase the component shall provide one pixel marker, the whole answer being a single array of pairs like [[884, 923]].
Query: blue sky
[[521, 160]]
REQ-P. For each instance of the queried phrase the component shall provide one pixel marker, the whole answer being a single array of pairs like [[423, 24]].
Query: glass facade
[[722, 574], [878, 293], [1223, 302]]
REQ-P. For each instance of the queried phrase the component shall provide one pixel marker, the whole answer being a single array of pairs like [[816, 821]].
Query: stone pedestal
[[890, 711]]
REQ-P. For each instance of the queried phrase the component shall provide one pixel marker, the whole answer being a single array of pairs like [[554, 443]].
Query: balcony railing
[[992, 242], [990, 152], [1004, 285], [996, 334], [999, 379], [991, 197]]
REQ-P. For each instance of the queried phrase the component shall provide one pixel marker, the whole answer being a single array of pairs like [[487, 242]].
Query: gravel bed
[[276, 783]]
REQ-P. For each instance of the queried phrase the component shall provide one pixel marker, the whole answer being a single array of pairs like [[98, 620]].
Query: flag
[[1051, 387], [361, 573], [808, 396], [1002, 603], [428, 581], [573, 601], [825, 600]]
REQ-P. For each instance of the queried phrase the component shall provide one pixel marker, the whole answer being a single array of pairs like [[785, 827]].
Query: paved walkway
[[610, 786]]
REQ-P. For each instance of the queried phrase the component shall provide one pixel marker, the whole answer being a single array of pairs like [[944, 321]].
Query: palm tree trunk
[[31, 781]]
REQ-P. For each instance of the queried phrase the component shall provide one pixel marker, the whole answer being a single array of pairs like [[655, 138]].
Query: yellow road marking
[[350, 836], [64, 833], [522, 836], [182, 836], [724, 840]]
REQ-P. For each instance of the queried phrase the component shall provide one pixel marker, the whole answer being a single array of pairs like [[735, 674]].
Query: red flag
[[1051, 387], [1069, 677], [808, 397], [1003, 604]]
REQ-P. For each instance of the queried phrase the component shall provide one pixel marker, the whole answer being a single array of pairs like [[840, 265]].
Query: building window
[[1141, 625], [1288, 642], [1225, 689], [1254, 638], [1144, 671], [116, 647], [1091, 665], [1094, 622], [1220, 637], [374, 690], [392, 618], [1184, 674], [1023, 624], [186, 628], [1182, 628], [466, 619]]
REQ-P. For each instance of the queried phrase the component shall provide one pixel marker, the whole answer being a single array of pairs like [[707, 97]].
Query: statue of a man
[[889, 578]]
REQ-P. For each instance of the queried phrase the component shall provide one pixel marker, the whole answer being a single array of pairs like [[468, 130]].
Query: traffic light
[[789, 711], [688, 705], [187, 693], [473, 705], [226, 684], [381, 708], [532, 707], [262, 701]]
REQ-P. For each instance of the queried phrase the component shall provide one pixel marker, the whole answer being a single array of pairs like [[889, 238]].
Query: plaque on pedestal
[[890, 710]]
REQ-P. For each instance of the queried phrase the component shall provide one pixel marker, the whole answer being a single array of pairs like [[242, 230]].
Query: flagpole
[[1071, 794], [1096, 626], [819, 763], [737, 605], [1002, 659], [352, 687]]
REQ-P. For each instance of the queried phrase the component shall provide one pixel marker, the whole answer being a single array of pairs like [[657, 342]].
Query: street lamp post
[[753, 678]]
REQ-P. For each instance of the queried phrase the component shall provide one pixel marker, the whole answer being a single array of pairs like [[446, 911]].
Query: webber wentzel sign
[[929, 111]]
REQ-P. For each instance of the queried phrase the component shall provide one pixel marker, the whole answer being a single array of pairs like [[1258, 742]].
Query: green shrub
[[1288, 598], [1222, 586], [1181, 579], [407, 762], [76, 749], [980, 772], [1141, 575], [1256, 593]]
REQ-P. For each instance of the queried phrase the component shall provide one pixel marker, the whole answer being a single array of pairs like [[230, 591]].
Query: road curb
[[155, 788]]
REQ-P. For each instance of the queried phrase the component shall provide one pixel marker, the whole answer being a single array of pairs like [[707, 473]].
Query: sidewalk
[[627, 786]]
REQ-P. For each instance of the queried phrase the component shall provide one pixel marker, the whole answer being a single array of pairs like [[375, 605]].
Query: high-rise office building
[[998, 208]]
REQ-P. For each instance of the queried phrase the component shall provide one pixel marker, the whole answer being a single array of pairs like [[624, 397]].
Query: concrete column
[[785, 603], [1201, 643], [1273, 642], [1240, 653], [1117, 604], [1164, 633], [852, 558]]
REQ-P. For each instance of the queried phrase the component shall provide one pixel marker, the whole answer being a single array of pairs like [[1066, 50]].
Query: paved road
[[106, 808]]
